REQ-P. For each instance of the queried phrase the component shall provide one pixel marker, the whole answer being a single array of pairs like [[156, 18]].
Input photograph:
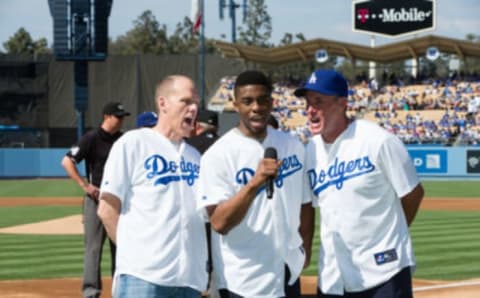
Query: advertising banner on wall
[[393, 18], [473, 161], [429, 161]]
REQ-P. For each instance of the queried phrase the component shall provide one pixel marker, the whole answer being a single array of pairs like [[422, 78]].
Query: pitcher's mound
[[70, 225]]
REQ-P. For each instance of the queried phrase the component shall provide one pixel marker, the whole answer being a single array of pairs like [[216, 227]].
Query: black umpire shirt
[[94, 147], [203, 140]]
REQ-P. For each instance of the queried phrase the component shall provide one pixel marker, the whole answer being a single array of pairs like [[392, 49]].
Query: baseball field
[[41, 246]]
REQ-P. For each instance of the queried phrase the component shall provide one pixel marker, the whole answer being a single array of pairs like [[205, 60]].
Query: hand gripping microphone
[[270, 152]]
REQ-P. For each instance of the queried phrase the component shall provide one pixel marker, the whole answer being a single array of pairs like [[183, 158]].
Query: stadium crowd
[[431, 112]]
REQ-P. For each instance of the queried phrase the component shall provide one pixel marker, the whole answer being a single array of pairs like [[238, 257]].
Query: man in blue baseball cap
[[361, 176], [147, 119], [322, 87]]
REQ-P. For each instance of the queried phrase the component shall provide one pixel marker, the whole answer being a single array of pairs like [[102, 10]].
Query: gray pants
[[94, 239]]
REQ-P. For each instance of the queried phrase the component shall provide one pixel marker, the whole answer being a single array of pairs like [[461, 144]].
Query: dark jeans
[[292, 291], [94, 239], [399, 286]]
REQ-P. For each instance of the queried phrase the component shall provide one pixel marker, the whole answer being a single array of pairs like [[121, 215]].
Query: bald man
[[147, 201]]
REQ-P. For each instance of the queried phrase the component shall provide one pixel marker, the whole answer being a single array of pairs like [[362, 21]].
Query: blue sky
[[330, 19]]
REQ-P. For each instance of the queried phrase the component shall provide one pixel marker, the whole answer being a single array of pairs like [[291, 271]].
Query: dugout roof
[[305, 51]]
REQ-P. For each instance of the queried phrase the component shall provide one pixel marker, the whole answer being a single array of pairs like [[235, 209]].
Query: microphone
[[270, 152]]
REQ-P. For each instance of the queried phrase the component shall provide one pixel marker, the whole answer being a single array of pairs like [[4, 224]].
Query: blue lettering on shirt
[[289, 166], [165, 171], [339, 172]]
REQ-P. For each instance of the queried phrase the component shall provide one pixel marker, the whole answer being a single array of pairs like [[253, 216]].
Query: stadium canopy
[[305, 51]]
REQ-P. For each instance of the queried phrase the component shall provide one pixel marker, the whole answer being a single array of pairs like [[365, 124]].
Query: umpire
[[93, 147], [206, 130]]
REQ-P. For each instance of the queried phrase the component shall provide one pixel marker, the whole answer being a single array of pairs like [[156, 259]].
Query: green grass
[[452, 189], [12, 216], [68, 188], [39, 188], [446, 245], [44, 256]]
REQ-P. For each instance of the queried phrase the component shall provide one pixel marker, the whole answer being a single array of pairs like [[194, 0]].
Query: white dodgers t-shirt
[[160, 235], [250, 259], [358, 184]]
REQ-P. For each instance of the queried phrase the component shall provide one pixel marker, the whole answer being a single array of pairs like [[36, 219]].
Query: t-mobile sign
[[393, 18]]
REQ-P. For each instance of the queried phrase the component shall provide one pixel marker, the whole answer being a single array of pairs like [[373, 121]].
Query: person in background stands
[[206, 130], [94, 147]]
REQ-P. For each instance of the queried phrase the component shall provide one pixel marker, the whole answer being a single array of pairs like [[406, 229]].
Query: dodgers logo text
[[165, 171], [289, 166], [339, 172]]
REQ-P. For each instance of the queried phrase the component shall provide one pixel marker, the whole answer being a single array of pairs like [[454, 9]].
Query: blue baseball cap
[[147, 119], [327, 82]]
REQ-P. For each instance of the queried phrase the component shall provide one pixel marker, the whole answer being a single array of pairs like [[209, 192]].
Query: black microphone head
[[270, 152]]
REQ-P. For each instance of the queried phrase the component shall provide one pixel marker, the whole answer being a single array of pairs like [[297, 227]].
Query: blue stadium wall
[[430, 162], [33, 163]]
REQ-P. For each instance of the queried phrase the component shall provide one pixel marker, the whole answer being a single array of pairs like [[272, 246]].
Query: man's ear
[[235, 106], [161, 103], [344, 102]]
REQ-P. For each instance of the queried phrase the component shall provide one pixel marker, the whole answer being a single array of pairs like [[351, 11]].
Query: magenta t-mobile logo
[[363, 14]]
